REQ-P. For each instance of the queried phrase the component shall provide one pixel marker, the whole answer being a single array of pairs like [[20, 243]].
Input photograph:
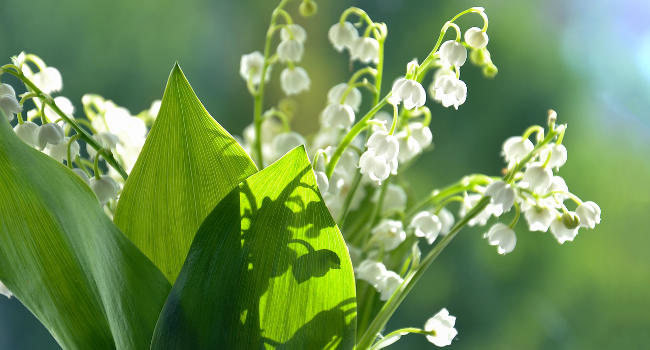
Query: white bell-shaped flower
[[442, 327], [290, 50], [537, 178], [8, 101], [408, 147], [375, 167], [50, 134], [589, 214], [370, 271], [49, 80], [452, 53], [353, 99], [558, 155], [5, 291], [426, 224], [380, 121], [105, 188], [82, 174], [539, 218], [105, 139], [422, 134], [28, 132], [365, 50], [516, 148], [285, 142], [251, 66], [294, 80], [60, 150], [293, 31], [380, 160], [469, 201], [476, 38], [449, 90], [343, 35], [408, 91], [388, 284], [501, 236], [389, 233], [447, 220], [394, 200], [565, 227], [502, 195], [384, 145], [337, 116]]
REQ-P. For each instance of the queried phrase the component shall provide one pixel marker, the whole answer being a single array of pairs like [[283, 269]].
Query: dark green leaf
[[188, 164], [66, 261], [267, 269]]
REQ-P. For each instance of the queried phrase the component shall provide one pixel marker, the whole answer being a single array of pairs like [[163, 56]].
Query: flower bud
[[490, 70], [28, 132], [308, 8], [50, 133]]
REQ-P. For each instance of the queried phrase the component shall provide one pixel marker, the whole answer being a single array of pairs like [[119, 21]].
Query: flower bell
[[28, 132], [337, 116], [390, 233], [50, 134], [556, 154], [353, 99], [589, 214], [538, 178], [294, 80], [516, 148], [503, 237], [452, 53], [366, 50], [502, 195], [388, 284], [408, 91], [285, 142], [449, 90], [60, 151], [565, 227], [105, 188], [290, 50], [293, 31], [380, 160], [426, 224], [49, 80], [476, 38], [251, 66], [441, 327], [8, 101], [343, 35], [539, 218]]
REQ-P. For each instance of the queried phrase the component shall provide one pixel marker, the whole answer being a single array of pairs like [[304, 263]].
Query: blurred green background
[[589, 60]]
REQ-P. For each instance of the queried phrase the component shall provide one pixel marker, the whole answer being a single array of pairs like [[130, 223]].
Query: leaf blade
[[66, 261], [268, 267], [187, 165]]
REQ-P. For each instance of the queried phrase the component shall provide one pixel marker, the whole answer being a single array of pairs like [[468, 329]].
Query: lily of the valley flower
[[50, 134], [408, 91], [28, 132], [537, 178], [516, 148], [589, 214], [565, 227], [502, 196], [293, 31], [389, 233], [343, 35], [442, 327], [501, 236], [427, 225], [294, 80], [365, 50], [476, 38], [251, 67], [380, 160], [452, 53], [105, 188], [337, 116], [8, 101], [353, 99]]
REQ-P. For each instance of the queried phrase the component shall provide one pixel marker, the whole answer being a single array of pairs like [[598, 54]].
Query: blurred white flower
[[293, 31], [537, 178], [442, 327], [388, 284], [339, 116], [284, 143], [476, 38], [447, 220], [294, 80], [322, 181], [82, 175], [60, 151], [353, 99], [8, 101], [370, 271], [503, 237], [290, 50], [408, 91], [251, 66], [28, 132], [49, 80], [365, 50], [343, 35], [516, 148], [394, 200], [452, 53], [390, 234], [426, 224]]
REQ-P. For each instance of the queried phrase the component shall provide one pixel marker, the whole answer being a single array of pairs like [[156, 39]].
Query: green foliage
[[64, 258], [188, 164], [268, 267]]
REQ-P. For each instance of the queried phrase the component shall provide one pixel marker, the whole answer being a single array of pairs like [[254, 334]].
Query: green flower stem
[[400, 332], [258, 97], [409, 282], [108, 156]]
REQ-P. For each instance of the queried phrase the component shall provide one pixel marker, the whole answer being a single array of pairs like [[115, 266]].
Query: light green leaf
[[188, 164], [268, 269], [65, 260]]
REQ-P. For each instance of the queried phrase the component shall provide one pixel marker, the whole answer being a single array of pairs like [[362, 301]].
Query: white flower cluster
[[111, 126], [344, 35]]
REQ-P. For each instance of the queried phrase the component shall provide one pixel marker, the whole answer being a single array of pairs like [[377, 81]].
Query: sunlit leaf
[[188, 164], [65, 260], [267, 269]]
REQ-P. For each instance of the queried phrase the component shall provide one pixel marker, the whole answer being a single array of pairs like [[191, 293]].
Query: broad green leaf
[[66, 261], [188, 164], [268, 269]]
